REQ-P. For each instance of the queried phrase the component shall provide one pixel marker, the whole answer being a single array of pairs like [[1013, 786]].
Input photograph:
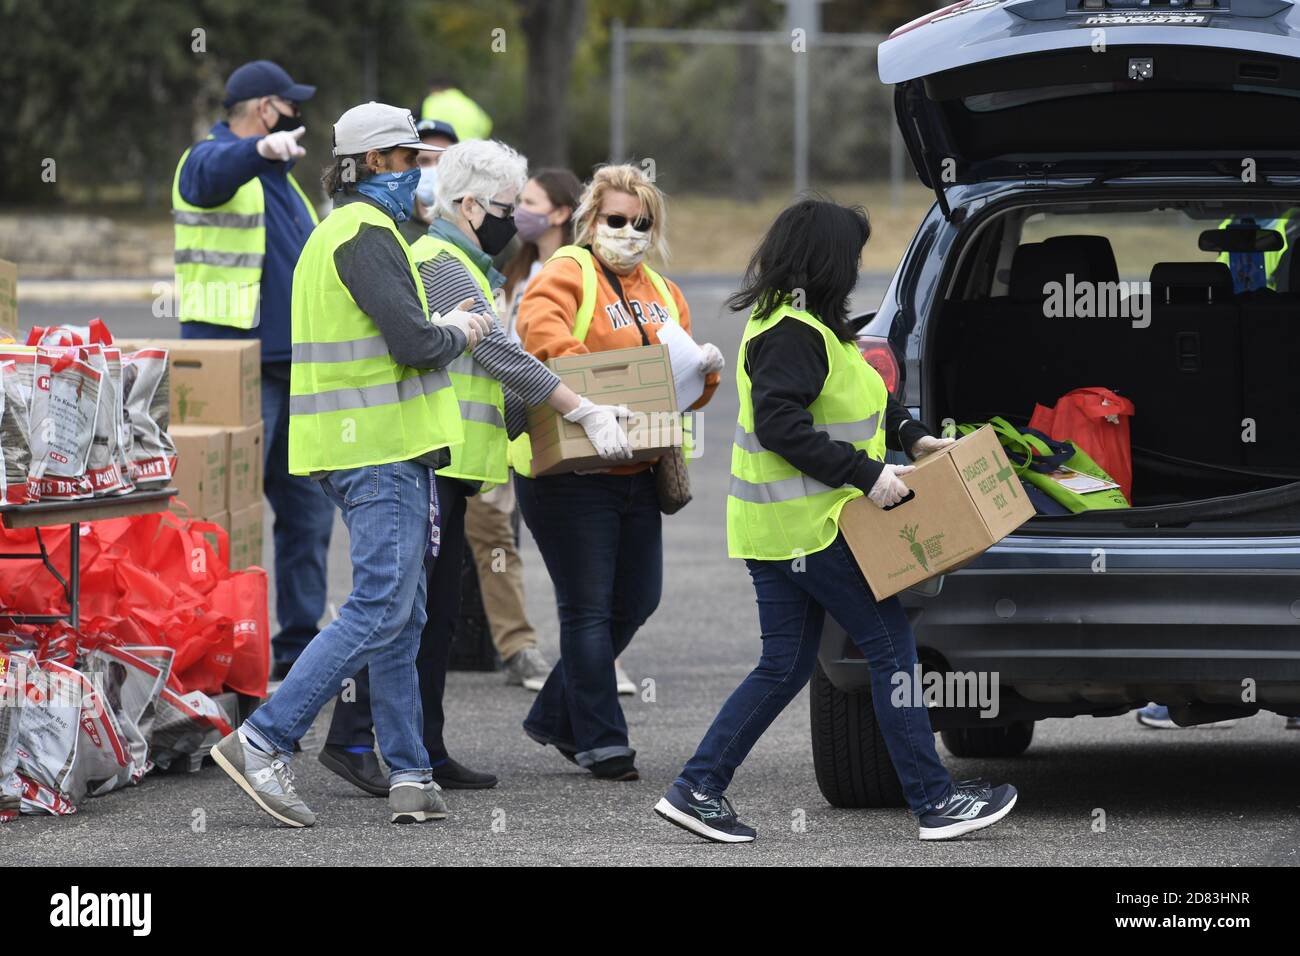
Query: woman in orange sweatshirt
[[600, 534]]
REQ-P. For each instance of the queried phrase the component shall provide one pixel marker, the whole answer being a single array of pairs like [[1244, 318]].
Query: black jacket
[[787, 367]]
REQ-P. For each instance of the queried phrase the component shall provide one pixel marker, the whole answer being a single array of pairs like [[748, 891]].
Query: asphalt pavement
[[1091, 791]]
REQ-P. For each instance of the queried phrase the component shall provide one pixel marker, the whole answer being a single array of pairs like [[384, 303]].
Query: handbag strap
[[618, 287]]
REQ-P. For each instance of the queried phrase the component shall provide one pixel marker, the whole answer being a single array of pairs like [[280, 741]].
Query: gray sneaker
[[265, 778], [416, 802], [528, 669]]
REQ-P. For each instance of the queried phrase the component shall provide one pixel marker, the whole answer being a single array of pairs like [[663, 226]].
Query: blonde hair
[[628, 179]]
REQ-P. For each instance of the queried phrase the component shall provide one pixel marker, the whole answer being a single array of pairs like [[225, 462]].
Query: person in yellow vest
[[241, 220], [447, 103], [372, 415], [478, 183], [815, 420], [600, 535]]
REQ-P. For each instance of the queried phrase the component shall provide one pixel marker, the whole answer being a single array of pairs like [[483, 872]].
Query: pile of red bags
[[155, 580]]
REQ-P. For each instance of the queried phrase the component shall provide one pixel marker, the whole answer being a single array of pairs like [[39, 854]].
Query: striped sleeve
[[447, 283]]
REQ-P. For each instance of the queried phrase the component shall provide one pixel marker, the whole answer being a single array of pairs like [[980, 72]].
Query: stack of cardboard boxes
[[216, 424]]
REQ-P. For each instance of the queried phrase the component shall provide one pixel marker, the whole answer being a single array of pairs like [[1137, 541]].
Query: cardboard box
[[213, 381], [246, 457], [246, 537], [640, 378], [967, 499], [201, 474], [8, 300]]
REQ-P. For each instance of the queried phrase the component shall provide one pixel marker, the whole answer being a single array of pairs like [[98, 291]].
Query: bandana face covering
[[394, 191]]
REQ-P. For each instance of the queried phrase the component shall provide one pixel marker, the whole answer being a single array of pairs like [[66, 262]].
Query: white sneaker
[[528, 669], [625, 685]]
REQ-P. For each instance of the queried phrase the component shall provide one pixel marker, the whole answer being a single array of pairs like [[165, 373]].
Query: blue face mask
[[394, 191]]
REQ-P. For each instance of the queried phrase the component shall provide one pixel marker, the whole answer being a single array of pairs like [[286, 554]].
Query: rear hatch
[[1001, 89]]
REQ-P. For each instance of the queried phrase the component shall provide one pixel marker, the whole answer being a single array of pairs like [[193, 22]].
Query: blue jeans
[[602, 539], [386, 510], [304, 518], [792, 604]]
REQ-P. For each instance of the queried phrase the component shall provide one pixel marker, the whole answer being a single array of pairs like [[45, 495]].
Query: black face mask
[[285, 123], [495, 232]]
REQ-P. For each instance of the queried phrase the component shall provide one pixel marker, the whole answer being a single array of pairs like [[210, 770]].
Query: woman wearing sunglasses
[[600, 534]]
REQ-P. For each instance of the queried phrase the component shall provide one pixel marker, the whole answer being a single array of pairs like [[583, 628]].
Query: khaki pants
[[500, 572]]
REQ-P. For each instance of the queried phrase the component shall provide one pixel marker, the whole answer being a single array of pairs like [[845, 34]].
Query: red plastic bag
[[1097, 420], [242, 598]]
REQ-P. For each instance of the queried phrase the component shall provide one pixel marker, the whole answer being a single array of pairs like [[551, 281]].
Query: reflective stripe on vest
[[774, 511], [521, 451], [219, 254], [350, 404], [484, 454]]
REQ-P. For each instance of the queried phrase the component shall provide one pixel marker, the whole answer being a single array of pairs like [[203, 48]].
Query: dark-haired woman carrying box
[[815, 420]]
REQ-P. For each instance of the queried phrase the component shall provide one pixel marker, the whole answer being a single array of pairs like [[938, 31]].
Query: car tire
[[853, 767], [1010, 740]]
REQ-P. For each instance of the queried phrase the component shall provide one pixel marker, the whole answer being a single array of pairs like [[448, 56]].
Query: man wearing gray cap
[[241, 221], [371, 417]]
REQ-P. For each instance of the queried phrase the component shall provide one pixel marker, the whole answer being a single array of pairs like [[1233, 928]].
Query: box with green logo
[[967, 499]]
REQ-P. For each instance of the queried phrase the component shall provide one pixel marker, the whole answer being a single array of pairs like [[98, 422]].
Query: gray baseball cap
[[377, 126]]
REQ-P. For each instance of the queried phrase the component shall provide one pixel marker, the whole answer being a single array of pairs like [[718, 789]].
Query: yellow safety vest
[[452, 106], [482, 401], [350, 403], [774, 511], [521, 449], [219, 253]]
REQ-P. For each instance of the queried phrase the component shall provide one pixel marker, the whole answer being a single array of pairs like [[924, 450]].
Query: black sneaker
[[713, 818], [360, 770], [455, 776], [615, 768], [967, 809]]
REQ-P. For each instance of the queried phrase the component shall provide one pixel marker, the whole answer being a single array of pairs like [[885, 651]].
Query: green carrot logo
[[908, 534], [182, 401]]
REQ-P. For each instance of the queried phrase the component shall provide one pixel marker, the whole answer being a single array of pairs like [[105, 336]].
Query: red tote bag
[[1097, 420]]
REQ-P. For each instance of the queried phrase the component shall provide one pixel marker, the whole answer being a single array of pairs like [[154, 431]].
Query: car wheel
[[1010, 740], [849, 755]]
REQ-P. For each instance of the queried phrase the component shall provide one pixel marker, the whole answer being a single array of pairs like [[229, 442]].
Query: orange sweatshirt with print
[[550, 304]]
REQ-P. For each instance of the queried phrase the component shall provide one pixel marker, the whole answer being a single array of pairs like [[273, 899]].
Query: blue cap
[[264, 78], [441, 127]]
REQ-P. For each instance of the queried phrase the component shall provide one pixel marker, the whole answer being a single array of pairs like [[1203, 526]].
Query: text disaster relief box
[[245, 457], [967, 499], [200, 472], [639, 378], [213, 381]]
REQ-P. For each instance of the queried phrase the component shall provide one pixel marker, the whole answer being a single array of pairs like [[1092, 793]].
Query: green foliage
[[113, 90]]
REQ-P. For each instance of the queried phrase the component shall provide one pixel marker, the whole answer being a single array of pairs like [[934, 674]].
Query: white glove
[[282, 146], [602, 425], [711, 360], [473, 325], [889, 488], [928, 445]]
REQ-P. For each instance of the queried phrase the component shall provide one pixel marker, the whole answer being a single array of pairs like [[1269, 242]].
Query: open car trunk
[[1211, 373]]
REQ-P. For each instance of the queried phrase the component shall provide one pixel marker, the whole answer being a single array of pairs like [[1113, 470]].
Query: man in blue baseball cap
[[241, 221]]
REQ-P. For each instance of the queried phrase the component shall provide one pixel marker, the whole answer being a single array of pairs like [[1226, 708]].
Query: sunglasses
[[617, 221]]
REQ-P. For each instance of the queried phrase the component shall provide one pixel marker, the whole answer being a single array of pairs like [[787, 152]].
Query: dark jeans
[[351, 724], [601, 537], [304, 518], [792, 603]]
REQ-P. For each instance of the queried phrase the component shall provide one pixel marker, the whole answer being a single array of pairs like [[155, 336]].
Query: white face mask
[[621, 249], [427, 190]]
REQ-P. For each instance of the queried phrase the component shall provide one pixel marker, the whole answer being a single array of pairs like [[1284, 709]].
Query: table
[[46, 514]]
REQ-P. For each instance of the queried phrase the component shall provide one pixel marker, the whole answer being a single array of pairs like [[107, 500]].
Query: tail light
[[880, 356]]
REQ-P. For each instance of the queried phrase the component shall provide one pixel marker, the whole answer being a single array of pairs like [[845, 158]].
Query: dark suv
[[1149, 154]]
